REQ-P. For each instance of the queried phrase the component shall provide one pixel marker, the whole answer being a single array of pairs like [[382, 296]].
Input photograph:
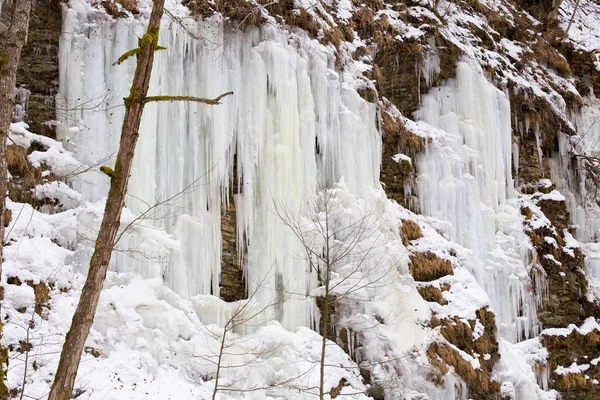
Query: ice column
[[464, 179], [293, 126]]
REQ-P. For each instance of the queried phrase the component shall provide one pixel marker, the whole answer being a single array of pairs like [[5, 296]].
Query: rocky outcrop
[[232, 283], [462, 335], [38, 69]]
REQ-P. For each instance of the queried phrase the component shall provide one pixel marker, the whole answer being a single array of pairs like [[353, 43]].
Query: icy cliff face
[[296, 131], [465, 182], [293, 125]]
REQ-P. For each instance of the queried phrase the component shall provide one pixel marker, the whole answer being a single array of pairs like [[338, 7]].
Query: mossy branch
[[107, 170], [128, 54], [133, 52], [215, 101]]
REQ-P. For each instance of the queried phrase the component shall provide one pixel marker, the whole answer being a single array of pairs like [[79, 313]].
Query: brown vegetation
[[479, 382], [432, 294], [397, 176], [427, 267], [460, 334], [236, 11], [24, 176], [410, 231], [575, 347], [111, 7]]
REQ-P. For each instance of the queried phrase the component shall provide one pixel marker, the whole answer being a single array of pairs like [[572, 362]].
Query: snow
[[401, 157], [518, 367], [572, 369], [589, 325]]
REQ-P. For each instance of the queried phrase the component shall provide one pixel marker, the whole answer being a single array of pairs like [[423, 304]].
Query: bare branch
[[212, 102]]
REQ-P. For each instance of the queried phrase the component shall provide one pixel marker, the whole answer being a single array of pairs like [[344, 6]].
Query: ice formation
[[292, 124], [465, 180], [292, 128]]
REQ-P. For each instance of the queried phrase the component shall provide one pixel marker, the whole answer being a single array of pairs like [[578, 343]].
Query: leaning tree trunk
[[84, 315], [12, 38]]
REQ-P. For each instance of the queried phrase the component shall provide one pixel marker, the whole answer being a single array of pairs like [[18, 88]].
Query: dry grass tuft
[[302, 20], [548, 56], [455, 331], [427, 267], [405, 141], [42, 296], [570, 382], [480, 384], [7, 217], [526, 211], [410, 231], [432, 294], [129, 5], [24, 176], [112, 8], [236, 11], [16, 158]]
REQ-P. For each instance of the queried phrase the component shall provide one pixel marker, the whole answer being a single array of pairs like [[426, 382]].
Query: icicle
[[285, 100], [465, 179], [431, 63], [538, 147]]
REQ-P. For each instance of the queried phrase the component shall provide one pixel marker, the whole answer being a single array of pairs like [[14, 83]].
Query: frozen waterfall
[[465, 180], [293, 126]]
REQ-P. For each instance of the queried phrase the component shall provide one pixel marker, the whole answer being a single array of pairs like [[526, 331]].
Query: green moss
[[3, 57], [128, 54], [134, 97], [149, 38], [107, 170]]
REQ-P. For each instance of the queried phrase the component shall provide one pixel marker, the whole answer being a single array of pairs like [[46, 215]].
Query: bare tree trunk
[[12, 39], [88, 303], [220, 360], [326, 315]]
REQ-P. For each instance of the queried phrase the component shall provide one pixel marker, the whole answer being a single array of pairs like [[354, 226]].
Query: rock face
[[38, 70], [232, 284]]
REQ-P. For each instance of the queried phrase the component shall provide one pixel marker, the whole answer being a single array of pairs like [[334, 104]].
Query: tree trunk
[[326, 315], [12, 39], [88, 303]]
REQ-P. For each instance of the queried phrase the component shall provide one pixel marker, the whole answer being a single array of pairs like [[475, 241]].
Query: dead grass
[[548, 56], [7, 217], [455, 331], [16, 158], [526, 212], [238, 12], [112, 8], [376, 5], [405, 141], [42, 296], [410, 231], [556, 212], [302, 20], [480, 384], [129, 5], [460, 334], [432, 294], [570, 382], [427, 267]]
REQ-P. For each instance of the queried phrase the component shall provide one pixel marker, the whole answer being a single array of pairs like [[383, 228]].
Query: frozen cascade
[[287, 99], [572, 181], [465, 180]]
